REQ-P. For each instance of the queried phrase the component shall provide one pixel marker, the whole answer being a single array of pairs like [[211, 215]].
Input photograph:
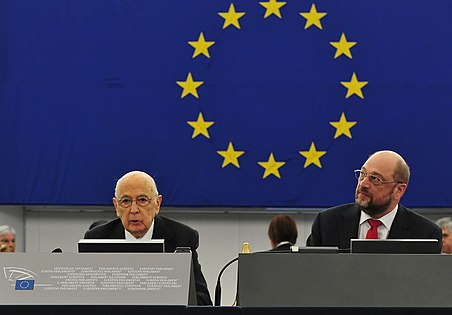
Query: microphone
[[57, 250], [218, 287]]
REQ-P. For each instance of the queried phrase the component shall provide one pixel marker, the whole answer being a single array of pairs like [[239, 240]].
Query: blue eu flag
[[268, 103], [25, 284]]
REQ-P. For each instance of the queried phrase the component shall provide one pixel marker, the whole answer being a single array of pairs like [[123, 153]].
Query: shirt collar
[[146, 237], [387, 219], [283, 243]]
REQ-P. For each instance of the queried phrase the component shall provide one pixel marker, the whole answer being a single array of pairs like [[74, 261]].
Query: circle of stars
[[313, 19]]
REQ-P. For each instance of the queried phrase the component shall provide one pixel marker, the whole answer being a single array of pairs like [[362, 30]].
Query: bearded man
[[377, 212]]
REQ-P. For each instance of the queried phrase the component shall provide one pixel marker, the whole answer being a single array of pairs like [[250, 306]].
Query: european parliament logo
[[25, 284], [23, 278]]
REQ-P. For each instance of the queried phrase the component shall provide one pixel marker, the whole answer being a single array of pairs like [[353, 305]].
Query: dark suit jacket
[[336, 226], [175, 235]]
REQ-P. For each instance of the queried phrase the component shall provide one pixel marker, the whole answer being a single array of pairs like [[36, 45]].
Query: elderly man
[[7, 239], [446, 226], [376, 213], [137, 203]]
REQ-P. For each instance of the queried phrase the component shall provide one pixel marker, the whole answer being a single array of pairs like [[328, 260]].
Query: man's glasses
[[374, 179], [142, 201]]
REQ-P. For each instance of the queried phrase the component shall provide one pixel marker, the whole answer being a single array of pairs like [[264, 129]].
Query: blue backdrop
[[225, 103]]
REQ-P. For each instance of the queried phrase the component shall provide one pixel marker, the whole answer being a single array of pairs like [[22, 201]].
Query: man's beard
[[370, 207]]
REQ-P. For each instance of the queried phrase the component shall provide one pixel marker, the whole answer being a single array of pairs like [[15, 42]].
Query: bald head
[[133, 176], [137, 202], [394, 163]]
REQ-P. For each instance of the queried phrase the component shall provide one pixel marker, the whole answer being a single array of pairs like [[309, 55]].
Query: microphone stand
[[218, 287], [245, 249]]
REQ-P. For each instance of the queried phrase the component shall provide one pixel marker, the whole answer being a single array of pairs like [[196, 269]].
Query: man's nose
[[365, 182], [134, 207]]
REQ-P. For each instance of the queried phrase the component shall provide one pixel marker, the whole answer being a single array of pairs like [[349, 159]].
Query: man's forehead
[[126, 195], [135, 188], [134, 184], [380, 165]]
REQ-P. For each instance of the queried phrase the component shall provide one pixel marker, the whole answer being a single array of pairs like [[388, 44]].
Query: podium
[[344, 280], [97, 279]]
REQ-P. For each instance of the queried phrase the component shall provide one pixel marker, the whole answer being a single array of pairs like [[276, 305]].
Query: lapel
[[401, 224], [118, 230], [348, 227], [161, 230]]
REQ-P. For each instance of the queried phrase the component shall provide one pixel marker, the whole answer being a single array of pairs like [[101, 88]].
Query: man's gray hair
[[6, 229], [445, 222]]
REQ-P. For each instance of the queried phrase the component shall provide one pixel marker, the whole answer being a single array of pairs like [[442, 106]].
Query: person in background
[[282, 232], [7, 239], [137, 203], [377, 212], [446, 226]]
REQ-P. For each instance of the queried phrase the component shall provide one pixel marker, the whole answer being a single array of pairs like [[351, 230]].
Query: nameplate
[[90, 279]]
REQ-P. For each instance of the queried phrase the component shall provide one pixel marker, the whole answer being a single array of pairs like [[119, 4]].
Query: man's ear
[[400, 190], [159, 203], [115, 203]]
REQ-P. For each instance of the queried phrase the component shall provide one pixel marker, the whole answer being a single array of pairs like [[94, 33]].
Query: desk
[[212, 310], [345, 280]]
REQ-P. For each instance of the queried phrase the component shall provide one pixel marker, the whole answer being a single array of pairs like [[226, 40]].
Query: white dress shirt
[[383, 229], [146, 237]]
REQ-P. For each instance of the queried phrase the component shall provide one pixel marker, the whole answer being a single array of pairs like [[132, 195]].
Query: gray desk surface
[[345, 280]]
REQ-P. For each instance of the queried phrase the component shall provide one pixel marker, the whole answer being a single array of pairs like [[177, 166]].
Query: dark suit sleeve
[[87, 235], [315, 239], [437, 233], [110, 230], [409, 224], [202, 293]]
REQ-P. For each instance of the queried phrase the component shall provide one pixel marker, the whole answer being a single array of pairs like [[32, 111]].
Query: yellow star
[[312, 156], [271, 166], [231, 156], [200, 126], [343, 47], [354, 86], [201, 46], [343, 126], [189, 86], [272, 7], [313, 17], [231, 17]]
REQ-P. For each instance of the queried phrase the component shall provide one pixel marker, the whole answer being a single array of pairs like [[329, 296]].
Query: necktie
[[372, 233]]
